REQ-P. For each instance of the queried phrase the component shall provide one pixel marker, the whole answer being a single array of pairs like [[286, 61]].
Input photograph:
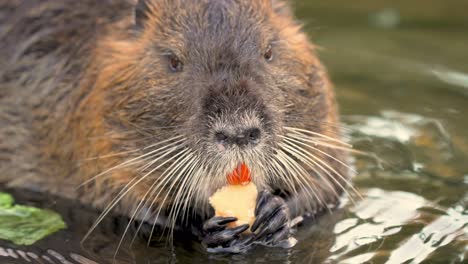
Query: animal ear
[[282, 7], [142, 12]]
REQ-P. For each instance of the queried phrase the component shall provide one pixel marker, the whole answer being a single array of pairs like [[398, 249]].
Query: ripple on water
[[395, 227], [52, 256]]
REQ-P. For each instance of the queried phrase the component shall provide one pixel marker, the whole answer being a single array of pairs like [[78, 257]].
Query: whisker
[[214, 167], [294, 129], [195, 173], [297, 140], [155, 156], [311, 163], [192, 189], [185, 171], [289, 181], [347, 181], [140, 135], [122, 193], [344, 146], [301, 157], [148, 165], [292, 165], [182, 191], [166, 176], [129, 151], [139, 205], [344, 134], [317, 142], [298, 117], [130, 162], [180, 163]]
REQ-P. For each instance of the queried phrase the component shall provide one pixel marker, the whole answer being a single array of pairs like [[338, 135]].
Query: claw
[[271, 226], [279, 219], [217, 223], [243, 242], [262, 198], [239, 245], [280, 235], [266, 210], [225, 236]]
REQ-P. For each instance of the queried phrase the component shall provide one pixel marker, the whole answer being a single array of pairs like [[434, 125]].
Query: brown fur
[[80, 80]]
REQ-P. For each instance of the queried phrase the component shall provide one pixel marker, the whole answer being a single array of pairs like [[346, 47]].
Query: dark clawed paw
[[217, 234], [280, 235], [272, 219], [217, 223]]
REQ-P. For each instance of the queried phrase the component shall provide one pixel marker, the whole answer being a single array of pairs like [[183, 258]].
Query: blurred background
[[401, 74]]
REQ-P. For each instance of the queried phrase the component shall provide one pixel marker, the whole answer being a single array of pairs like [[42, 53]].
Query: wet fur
[[83, 81]]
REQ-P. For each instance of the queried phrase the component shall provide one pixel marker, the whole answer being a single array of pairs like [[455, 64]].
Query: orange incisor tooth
[[240, 175]]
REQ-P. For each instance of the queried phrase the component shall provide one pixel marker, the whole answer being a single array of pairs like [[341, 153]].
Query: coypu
[[143, 107]]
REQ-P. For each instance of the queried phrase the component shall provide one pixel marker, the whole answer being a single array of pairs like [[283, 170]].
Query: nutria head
[[197, 87]]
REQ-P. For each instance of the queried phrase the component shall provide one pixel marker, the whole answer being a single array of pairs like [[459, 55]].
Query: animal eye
[[175, 64], [268, 53]]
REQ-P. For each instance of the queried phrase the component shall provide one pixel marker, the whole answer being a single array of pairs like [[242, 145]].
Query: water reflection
[[453, 78], [380, 225], [441, 232]]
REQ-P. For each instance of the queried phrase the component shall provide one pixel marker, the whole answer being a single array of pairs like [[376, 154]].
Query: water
[[401, 74]]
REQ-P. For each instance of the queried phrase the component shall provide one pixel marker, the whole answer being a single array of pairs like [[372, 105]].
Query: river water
[[401, 74]]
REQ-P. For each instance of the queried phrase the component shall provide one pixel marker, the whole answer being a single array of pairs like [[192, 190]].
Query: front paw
[[217, 234], [272, 223]]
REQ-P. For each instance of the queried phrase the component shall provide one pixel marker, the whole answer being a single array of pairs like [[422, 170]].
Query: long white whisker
[[174, 181], [165, 176], [194, 173], [300, 174], [182, 191], [295, 142], [318, 142], [290, 179], [311, 163], [298, 155], [130, 162], [155, 159], [295, 129], [207, 181], [130, 151], [184, 175], [196, 179], [137, 209], [124, 192]]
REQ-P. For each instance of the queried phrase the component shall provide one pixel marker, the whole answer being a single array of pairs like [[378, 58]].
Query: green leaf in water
[[6, 201], [24, 225]]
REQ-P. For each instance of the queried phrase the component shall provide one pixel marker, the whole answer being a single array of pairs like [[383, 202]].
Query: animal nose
[[244, 137]]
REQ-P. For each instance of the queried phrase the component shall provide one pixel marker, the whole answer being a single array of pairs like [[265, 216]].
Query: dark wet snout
[[241, 137], [235, 111]]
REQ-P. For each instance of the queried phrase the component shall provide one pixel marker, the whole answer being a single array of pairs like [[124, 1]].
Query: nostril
[[221, 137], [254, 135], [246, 137]]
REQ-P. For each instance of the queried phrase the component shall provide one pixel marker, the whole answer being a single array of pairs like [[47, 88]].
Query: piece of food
[[237, 199], [24, 225]]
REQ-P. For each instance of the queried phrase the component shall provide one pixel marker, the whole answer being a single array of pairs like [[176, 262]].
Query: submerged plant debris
[[25, 225]]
